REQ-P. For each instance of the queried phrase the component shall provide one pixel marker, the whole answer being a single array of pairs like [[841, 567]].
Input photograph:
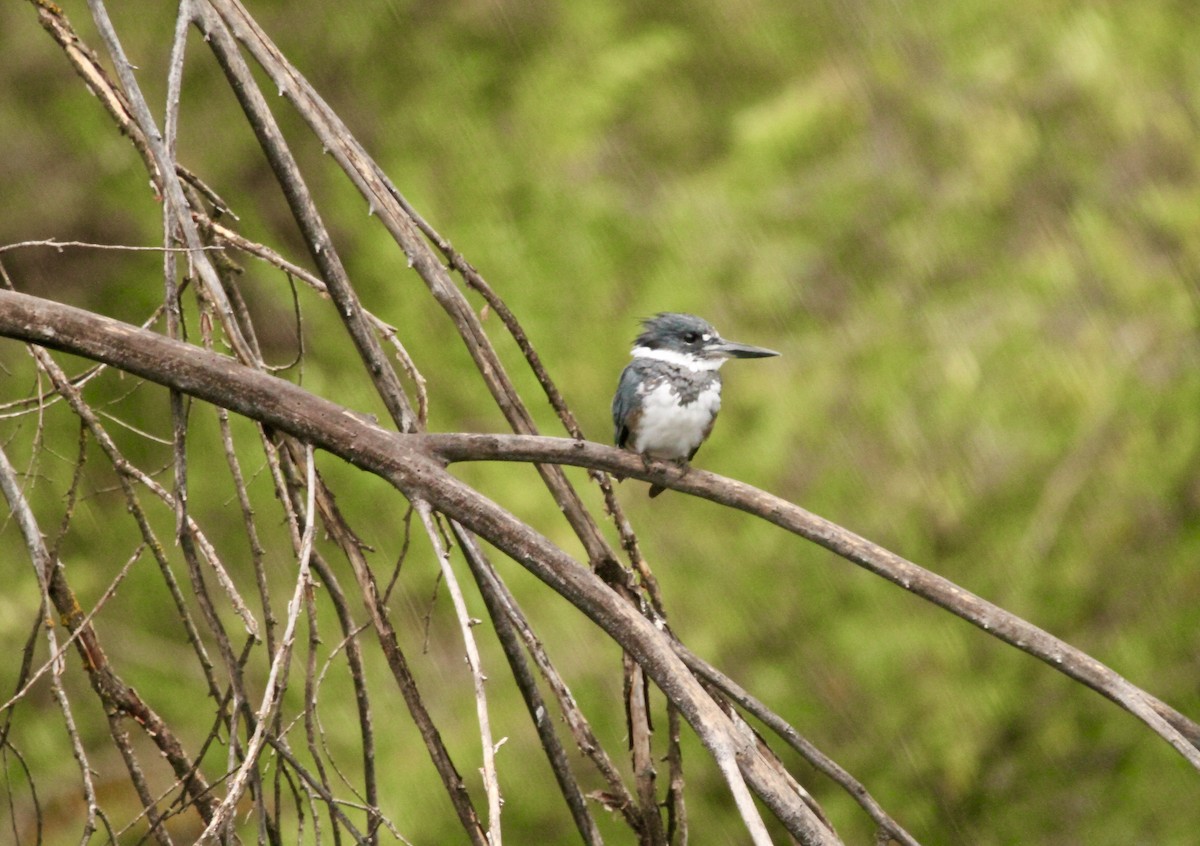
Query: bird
[[668, 397]]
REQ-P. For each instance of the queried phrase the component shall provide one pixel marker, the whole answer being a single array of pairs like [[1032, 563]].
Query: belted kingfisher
[[669, 395]]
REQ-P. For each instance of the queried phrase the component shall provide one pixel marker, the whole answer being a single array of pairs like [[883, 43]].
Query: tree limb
[[404, 462]]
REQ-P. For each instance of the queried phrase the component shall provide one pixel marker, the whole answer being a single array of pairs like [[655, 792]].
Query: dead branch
[[283, 406]]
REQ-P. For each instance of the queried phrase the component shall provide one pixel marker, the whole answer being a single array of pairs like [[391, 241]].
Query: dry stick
[[87, 65], [40, 403], [256, 549], [274, 686], [677, 825], [7, 746], [118, 697], [637, 709], [618, 797], [316, 787], [120, 737], [58, 650], [374, 818], [314, 682], [22, 689], [150, 802], [354, 660], [233, 664], [291, 496], [194, 536], [266, 824], [59, 246], [490, 590], [311, 691], [170, 287], [491, 780], [114, 101], [404, 462], [126, 475], [284, 774], [240, 709], [233, 238], [384, 329], [257, 552]]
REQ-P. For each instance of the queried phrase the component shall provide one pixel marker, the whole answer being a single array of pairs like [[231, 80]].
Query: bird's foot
[[680, 464]]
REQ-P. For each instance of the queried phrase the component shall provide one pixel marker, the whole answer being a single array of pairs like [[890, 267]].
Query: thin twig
[[175, 202], [123, 248], [273, 690], [466, 623], [125, 474]]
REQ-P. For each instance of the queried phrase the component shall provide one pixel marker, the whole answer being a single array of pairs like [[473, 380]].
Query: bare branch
[[400, 460], [121, 248]]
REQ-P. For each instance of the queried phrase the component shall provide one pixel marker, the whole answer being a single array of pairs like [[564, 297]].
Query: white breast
[[670, 430]]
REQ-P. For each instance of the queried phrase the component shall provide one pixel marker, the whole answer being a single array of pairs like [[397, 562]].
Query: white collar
[[678, 358]]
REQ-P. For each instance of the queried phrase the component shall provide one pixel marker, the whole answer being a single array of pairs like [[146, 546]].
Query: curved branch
[[1178, 730], [407, 462]]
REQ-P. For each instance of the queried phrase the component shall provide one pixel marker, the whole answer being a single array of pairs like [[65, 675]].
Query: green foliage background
[[972, 230]]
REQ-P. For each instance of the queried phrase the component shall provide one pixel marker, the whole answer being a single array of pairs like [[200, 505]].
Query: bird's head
[[690, 340]]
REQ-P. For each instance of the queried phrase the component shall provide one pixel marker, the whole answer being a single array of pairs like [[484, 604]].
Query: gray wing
[[626, 404]]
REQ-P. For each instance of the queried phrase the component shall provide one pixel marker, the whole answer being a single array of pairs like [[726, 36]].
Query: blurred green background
[[972, 230]]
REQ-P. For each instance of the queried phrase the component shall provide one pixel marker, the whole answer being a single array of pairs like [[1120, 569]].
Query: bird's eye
[[692, 337]]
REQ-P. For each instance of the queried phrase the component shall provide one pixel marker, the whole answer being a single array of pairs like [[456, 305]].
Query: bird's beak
[[732, 349]]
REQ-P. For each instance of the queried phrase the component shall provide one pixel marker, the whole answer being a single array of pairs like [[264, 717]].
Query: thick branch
[[222, 381], [1180, 731], [404, 462]]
